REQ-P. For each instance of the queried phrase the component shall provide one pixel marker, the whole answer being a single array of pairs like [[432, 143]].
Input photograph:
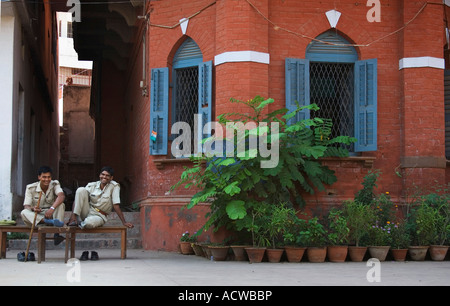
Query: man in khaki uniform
[[51, 206], [94, 202]]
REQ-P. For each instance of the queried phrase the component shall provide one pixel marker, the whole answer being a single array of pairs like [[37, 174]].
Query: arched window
[[343, 87], [191, 95]]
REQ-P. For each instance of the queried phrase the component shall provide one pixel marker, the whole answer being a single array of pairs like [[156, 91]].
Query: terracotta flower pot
[[274, 255], [186, 248], [418, 253], [219, 253], [438, 252], [379, 252], [239, 252], [357, 253], [316, 254], [337, 253], [198, 250], [399, 254], [294, 254], [206, 251], [255, 254]]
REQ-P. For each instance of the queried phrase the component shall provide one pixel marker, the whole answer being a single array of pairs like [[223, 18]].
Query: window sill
[[367, 161], [161, 163]]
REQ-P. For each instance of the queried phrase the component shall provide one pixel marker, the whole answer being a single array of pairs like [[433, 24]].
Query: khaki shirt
[[104, 199], [47, 199]]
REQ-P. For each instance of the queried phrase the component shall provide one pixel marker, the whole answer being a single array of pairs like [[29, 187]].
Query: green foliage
[[429, 221], [400, 236], [366, 194], [422, 224], [338, 229], [380, 234], [186, 237], [282, 221], [315, 234], [359, 216], [236, 186]]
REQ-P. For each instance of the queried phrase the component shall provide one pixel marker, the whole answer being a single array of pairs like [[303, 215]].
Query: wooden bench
[[4, 229], [70, 237], [70, 240]]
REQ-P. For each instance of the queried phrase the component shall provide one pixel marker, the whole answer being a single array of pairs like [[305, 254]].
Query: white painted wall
[[6, 103]]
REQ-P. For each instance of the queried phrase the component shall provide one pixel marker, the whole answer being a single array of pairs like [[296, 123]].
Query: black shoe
[[57, 239], [21, 256], [94, 255], [84, 256]]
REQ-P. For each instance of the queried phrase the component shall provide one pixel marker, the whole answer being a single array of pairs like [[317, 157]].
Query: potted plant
[[441, 205], [279, 221], [294, 244], [337, 236], [239, 244], [256, 223], [400, 240], [422, 224], [358, 219], [379, 240], [232, 184], [186, 241], [315, 238], [219, 251]]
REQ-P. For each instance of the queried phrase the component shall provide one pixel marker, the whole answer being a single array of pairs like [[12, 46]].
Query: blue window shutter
[[159, 110], [297, 87], [366, 105], [204, 95]]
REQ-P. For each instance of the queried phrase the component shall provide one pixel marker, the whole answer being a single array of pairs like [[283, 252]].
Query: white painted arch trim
[[242, 56], [419, 62]]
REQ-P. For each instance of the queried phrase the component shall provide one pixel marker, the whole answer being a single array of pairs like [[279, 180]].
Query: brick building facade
[[188, 57]]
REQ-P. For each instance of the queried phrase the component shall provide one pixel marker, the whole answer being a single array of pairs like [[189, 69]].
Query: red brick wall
[[410, 101]]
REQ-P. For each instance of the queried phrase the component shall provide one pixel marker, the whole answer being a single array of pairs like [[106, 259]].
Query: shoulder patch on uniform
[[114, 183], [33, 185]]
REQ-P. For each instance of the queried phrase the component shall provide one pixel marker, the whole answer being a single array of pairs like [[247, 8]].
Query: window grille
[[186, 101], [332, 89]]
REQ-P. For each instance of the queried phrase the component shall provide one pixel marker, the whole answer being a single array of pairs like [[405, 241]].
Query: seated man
[[51, 206], [94, 202]]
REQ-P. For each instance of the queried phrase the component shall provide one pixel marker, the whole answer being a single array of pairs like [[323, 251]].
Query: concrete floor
[[153, 268]]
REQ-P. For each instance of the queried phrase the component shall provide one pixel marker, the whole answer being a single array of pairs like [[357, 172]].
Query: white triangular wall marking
[[333, 17], [183, 24]]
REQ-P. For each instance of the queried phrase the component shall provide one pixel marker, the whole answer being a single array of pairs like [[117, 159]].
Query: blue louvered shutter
[[159, 110], [366, 105], [297, 87], [204, 95]]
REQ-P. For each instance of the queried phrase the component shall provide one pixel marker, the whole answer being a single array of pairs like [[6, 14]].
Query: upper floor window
[[344, 88], [191, 95]]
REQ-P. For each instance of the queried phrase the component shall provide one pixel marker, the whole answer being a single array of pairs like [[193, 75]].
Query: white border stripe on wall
[[242, 56], [424, 61]]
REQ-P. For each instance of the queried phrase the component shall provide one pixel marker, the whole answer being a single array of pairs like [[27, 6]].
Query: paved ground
[[153, 268]]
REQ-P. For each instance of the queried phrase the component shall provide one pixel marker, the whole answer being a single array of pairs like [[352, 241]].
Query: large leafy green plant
[[236, 184]]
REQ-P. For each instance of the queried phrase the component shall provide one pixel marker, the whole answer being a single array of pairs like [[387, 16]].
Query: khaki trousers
[[28, 215], [89, 217]]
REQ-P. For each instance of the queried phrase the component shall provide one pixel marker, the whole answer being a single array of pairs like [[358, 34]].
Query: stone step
[[91, 241], [80, 244]]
